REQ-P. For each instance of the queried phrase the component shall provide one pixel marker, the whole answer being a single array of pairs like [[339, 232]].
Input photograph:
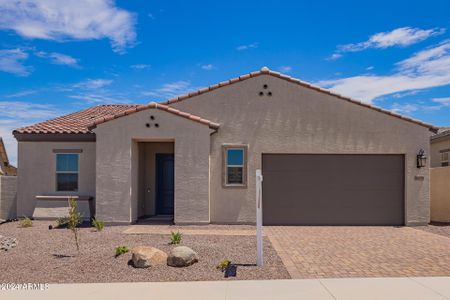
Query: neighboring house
[[8, 186], [5, 167], [326, 159], [440, 148], [440, 175]]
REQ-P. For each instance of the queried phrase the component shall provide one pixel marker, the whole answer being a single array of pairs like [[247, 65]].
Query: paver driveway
[[324, 252]]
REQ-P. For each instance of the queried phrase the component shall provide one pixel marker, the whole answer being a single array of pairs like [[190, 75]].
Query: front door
[[164, 184]]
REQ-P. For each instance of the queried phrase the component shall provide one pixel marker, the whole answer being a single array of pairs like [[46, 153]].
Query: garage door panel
[[333, 189]]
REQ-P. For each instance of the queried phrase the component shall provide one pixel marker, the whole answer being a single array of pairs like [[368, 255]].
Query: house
[[326, 159], [440, 176], [440, 148], [5, 167], [8, 182]]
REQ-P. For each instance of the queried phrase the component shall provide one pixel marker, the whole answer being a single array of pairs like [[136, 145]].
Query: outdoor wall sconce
[[421, 159]]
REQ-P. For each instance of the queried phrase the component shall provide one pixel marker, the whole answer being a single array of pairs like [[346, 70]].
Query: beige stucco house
[[326, 159], [440, 148], [440, 175], [5, 167]]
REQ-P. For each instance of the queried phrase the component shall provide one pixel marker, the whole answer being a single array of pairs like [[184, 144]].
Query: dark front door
[[164, 184]]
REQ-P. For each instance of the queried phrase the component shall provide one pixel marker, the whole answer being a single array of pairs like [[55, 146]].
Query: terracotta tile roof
[[266, 71], [154, 105], [76, 122]]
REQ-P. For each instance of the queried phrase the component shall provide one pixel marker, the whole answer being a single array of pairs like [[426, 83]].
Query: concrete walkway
[[317, 289], [241, 230]]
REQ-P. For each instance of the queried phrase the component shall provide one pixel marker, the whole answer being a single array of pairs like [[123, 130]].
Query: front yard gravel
[[50, 256]]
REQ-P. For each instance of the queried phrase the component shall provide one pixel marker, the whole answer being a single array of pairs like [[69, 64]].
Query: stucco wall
[[436, 146], [37, 172], [440, 194], [296, 119], [8, 188], [118, 171]]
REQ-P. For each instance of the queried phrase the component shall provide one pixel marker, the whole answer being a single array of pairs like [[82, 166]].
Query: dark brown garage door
[[316, 189]]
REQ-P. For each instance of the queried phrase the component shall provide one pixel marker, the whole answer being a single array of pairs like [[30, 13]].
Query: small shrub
[[223, 265], [25, 222], [62, 222], [98, 224], [74, 220], [175, 238], [121, 250]]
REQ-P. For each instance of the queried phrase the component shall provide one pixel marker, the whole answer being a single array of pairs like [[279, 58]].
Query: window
[[235, 165], [444, 158], [67, 172]]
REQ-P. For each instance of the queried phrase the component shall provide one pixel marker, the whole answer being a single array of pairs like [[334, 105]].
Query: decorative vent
[[148, 125], [265, 87]]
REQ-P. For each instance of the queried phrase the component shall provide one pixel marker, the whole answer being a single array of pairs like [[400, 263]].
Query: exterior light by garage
[[421, 159]]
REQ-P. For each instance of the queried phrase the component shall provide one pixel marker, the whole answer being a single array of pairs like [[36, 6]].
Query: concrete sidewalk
[[348, 288]]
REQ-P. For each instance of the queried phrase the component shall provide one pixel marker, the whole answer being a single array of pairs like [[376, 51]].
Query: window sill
[[236, 186], [63, 197]]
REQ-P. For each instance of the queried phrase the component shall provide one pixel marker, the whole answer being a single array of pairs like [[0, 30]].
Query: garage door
[[316, 189]]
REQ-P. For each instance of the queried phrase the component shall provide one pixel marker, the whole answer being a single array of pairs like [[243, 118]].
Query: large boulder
[[145, 256], [182, 256]]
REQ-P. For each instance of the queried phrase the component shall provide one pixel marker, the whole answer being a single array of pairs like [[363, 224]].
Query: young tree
[[73, 221]]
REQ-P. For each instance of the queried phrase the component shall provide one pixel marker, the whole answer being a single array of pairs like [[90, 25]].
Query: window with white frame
[[444, 158], [235, 165], [67, 172]]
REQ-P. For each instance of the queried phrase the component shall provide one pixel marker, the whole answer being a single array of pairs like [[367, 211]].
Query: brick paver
[[324, 252]]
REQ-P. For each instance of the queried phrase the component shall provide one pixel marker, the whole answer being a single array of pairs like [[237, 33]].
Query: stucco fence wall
[[440, 194], [8, 192]]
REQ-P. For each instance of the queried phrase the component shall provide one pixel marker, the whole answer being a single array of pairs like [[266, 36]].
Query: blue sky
[[61, 56]]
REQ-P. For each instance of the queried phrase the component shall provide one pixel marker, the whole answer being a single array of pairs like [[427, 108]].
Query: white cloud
[[425, 69], [369, 68], [406, 109], [140, 66], [169, 90], [207, 67], [69, 20], [285, 69], [247, 47], [97, 98], [92, 84], [18, 114], [11, 61], [443, 101], [410, 108], [21, 94], [59, 58], [402, 37], [334, 56]]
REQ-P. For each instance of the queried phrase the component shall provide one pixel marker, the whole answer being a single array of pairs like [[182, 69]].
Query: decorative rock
[[182, 256], [7, 243], [145, 256]]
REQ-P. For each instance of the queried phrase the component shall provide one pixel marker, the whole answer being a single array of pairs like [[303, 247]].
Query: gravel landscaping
[[50, 256]]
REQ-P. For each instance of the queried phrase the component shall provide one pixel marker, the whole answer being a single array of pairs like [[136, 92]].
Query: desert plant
[[175, 238], [62, 222], [223, 265], [73, 221], [25, 222], [98, 224], [121, 250]]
